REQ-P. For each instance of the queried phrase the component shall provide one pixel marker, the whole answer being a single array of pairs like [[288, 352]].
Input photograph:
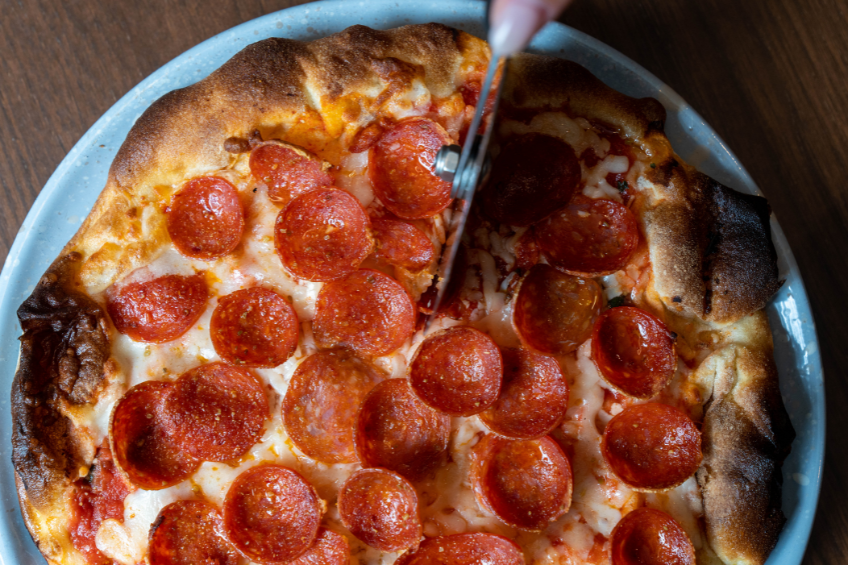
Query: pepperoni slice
[[402, 169], [534, 175], [465, 549], [329, 548], [218, 411], [402, 244], [205, 218], [525, 483], [368, 312], [158, 310], [142, 441], [588, 237], [652, 446], [380, 508], [288, 171], [187, 532], [634, 351], [554, 311], [271, 514], [322, 403], [650, 537], [323, 235], [533, 399], [255, 327], [458, 371], [397, 431]]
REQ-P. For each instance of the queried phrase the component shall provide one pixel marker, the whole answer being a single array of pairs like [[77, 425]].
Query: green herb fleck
[[653, 165], [622, 186], [616, 302]]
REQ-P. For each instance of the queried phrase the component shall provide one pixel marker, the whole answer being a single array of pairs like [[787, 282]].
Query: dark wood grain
[[771, 76]]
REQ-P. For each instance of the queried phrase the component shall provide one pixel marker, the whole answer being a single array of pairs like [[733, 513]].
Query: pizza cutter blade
[[464, 167]]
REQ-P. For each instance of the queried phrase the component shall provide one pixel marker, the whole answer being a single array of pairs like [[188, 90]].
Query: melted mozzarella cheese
[[447, 500]]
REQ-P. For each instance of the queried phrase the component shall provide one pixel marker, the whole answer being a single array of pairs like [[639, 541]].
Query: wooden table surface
[[771, 76]]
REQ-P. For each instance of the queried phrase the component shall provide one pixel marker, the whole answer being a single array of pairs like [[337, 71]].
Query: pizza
[[227, 364]]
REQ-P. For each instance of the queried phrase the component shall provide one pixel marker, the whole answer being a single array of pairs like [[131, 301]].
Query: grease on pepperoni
[[158, 310], [96, 498], [329, 548], [397, 431], [465, 549], [205, 218], [533, 175], [650, 537], [322, 403], [634, 351], [402, 169], [458, 371], [402, 244], [188, 532], [217, 411], [525, 483], [323, 235], [380, 508], [288, 171], [554, 311], [589, 237], [368, 312], [271, 514], [533, 399], [254, 327], [144, 443], [652, 446]]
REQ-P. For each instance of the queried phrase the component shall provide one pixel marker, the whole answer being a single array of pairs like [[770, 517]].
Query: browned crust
[[710, 246], [64, 347], [747, 435], [537, 83], [270, 86]]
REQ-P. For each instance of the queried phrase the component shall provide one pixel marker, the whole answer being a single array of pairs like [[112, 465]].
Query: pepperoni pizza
[[227, 363]]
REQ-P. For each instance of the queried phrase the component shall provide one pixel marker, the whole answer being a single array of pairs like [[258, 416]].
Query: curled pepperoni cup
[[188, 532], [217, 411], [588, 237], [533, 399], [525, 483], [205, 218], [652, 446], [329, 548], [368, 312], [457, 371], [380, 508], [322, 403], [288, 171], [158, 310], [323, 235], [271, 514], [255, 327], [402, 169], [397, 431], [465, 549], [650, 537], [533, 175], [633, 351], [401, 244], [144, 444], [554, 312]]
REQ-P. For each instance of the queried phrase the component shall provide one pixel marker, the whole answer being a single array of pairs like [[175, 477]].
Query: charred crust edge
[[63, 350], [711, 246]]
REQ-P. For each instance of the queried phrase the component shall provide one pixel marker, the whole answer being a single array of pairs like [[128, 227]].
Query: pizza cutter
[[465, 167]]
